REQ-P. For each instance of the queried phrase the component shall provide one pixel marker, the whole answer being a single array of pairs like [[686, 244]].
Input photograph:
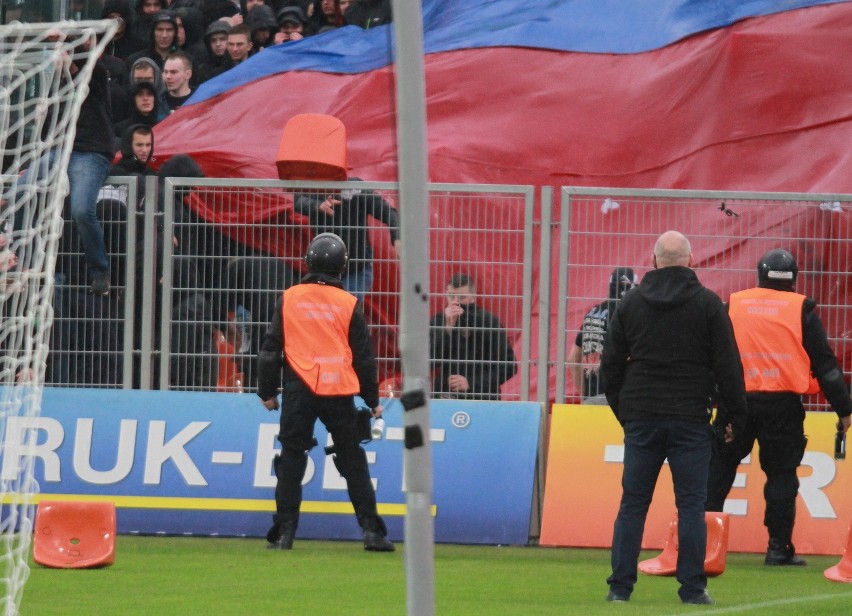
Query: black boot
[[375, 541], [375, 535], [281, 538], [781, 553]]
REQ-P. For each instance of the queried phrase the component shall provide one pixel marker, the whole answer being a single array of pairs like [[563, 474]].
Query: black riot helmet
[[327, 255], [777, 266]]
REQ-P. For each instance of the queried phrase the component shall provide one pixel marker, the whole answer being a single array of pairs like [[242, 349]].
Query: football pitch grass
[[220, 576]]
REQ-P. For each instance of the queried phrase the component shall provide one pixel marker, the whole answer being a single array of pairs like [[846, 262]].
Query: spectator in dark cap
[[291, 20], [584, 359]]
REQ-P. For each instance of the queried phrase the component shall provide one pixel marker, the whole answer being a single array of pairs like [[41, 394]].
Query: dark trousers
[[687, 445], [299, 413], [777, 424]]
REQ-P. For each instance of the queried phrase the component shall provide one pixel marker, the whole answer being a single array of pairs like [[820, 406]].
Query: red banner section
[[583, 488]]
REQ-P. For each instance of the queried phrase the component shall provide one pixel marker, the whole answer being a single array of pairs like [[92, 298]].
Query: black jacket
[[270, 359], [477, 348], [349, 221], [129, 164], [94, 125], [668, 346]]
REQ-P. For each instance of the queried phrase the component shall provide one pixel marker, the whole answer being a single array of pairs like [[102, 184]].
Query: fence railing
[[200, 264]]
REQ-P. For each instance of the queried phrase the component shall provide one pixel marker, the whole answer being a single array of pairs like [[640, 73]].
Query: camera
[[378, 429]]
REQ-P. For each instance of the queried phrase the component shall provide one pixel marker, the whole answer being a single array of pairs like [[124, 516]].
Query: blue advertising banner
[[201, 464]]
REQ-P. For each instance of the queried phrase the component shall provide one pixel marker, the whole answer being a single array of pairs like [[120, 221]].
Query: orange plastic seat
[[74, 535], [229, 378], [313, 147], [842, 571], [717, 548]]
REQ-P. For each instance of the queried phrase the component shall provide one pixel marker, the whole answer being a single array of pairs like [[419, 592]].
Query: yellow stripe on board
[[209, 504]]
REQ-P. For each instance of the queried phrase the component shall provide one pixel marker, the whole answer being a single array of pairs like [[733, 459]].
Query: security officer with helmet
[[785, 354], [319, 338]]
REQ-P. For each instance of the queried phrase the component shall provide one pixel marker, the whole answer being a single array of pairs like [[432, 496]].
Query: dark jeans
[[687, 445]]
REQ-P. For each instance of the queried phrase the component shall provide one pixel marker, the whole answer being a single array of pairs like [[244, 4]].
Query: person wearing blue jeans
[[88, 169], [87, 172], [647, 443], [669, 351]]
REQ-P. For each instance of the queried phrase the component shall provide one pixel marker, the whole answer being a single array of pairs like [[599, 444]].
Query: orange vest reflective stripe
[[315, 319], [768, 328]]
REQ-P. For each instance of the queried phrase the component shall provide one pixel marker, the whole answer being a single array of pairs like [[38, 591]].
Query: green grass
[[213, 576]]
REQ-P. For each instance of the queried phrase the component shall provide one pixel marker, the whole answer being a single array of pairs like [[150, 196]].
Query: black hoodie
[[668, 346], [127, 43], [129, 164], [135, 116]]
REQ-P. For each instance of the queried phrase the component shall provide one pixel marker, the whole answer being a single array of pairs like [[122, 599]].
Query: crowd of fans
[[164, 50]]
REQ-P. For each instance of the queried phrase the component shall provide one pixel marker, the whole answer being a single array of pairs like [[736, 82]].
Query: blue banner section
[[588, 26], [198, 463]]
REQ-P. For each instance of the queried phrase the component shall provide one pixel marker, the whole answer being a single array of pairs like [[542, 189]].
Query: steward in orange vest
[[768, 328], [318, 339], [785, 354]]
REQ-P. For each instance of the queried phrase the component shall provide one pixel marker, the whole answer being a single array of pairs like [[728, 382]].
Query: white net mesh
[[44, 74]]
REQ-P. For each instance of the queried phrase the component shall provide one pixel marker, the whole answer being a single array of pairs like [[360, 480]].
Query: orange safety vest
[[768, 328], [315, 319]]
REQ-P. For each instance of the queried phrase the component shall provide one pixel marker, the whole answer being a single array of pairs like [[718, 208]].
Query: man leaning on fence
[[669, 346]]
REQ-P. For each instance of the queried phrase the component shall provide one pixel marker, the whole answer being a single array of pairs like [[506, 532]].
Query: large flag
[[742, 94]]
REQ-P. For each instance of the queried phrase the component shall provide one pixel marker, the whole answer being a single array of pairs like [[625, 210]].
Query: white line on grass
[[745, 607]]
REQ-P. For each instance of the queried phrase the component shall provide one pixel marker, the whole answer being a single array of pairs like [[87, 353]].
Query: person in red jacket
[[785, 354], [319, 338]]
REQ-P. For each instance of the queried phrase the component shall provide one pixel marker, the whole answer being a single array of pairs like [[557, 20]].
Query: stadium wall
[[580, 507], [181, 463]]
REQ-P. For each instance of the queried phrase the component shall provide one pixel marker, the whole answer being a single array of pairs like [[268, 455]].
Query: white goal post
[[44, 74]]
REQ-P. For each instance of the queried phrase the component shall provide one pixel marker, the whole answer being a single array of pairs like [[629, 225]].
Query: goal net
[[44, 75]]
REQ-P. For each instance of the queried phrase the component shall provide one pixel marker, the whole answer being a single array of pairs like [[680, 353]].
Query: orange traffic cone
[[842, 571], [717, 548]]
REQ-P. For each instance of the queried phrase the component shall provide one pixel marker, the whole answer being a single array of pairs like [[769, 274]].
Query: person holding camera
[[319, 337], [470, 352]]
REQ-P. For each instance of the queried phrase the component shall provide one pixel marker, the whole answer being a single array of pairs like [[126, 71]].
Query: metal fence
[[197, 275], [199, 266], [729, 232]]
